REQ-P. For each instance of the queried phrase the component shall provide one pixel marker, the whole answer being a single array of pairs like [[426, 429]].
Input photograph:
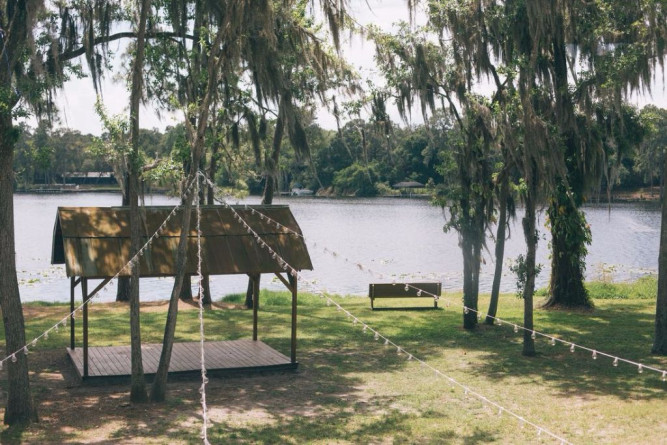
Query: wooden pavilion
[[94, 243]]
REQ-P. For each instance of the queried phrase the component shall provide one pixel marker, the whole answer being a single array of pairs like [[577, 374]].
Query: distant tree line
[[360, 159]]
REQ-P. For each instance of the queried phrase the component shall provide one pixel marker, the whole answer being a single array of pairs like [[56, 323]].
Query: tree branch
[[69, 55]]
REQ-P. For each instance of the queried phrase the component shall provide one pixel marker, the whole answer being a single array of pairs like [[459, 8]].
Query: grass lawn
[[350, 388]]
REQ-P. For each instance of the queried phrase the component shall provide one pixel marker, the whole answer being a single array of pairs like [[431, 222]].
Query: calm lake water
[[402, 238]]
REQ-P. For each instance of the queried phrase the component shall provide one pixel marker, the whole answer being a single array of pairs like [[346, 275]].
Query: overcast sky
[[76, 101]]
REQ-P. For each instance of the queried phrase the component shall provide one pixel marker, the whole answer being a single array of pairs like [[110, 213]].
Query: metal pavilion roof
[[94, 242]]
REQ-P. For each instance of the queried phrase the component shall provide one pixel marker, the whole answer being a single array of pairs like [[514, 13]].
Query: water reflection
[[400, 238]]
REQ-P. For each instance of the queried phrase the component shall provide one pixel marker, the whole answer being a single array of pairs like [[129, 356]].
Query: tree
[[660, 339], [18, 19], [416, 67], [138, 386], [655, 121]]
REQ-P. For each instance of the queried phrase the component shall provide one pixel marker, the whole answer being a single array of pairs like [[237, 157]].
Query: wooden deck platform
[[112, 363]]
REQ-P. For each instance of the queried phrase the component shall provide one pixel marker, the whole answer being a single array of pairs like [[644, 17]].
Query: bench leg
[[372, 308]]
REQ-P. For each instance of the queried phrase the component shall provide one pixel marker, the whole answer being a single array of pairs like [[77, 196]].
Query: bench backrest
[[398, 289]]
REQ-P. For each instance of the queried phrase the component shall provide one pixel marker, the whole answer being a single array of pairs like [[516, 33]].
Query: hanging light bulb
[[532, 335], [398, 350], [466, 310], [595, 355], [516, 329], [409, 356], [14, 359], [376, 336], [25, 350], [500, 322], [46, 335], [419, 293], [355, 321], [572, 347], [615, 361], [640, 369], [552, 341], [664, 376], [386, 342], [364, 329], [407, 288], [500, 411], [34, 343], [1, 363]]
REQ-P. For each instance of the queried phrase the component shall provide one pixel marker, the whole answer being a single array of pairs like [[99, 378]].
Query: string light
[[615, 361], [467, 391], [447, 302], [202, 351], [124, 269], [595, 355]]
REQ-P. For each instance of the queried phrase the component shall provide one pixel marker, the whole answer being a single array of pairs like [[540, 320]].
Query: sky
[[76, 101]]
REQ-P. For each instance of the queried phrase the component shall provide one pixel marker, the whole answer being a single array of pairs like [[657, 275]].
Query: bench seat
[[400, 290]]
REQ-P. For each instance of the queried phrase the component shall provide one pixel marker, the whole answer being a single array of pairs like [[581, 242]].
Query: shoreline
[[651, 194]]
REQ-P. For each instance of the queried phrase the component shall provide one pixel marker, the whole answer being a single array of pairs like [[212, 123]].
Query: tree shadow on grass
[[620, 331]]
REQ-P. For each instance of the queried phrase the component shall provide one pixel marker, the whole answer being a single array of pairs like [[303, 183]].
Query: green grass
[[644, 288], [351, 388]]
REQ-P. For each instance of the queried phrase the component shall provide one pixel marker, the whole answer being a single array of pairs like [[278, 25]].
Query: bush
[[355, 180]]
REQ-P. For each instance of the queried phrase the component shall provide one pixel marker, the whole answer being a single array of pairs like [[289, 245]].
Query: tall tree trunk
[[530, 235], [210, 200], [271, 178], [138, 385], [159, 388], [569, 230], [20, 407], [123, 290], [660, 340], [500, 250], [186, 289], [470, 281]]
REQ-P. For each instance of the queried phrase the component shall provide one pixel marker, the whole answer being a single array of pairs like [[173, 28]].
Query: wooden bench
[[398, 290]]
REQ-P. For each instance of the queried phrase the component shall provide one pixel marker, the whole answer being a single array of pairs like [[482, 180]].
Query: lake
[[401, 238]]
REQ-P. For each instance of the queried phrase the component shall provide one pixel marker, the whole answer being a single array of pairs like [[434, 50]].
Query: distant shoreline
[[638, 195]]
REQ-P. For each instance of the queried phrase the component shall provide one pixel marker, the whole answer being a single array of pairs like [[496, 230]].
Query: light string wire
[[25, 349], [453, 382], [641, 367], [377, 335], [202, 353]]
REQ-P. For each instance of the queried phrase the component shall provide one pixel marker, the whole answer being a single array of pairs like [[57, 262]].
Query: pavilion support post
[[255, 304], [84, 292], [72, 287], [293, 288]]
